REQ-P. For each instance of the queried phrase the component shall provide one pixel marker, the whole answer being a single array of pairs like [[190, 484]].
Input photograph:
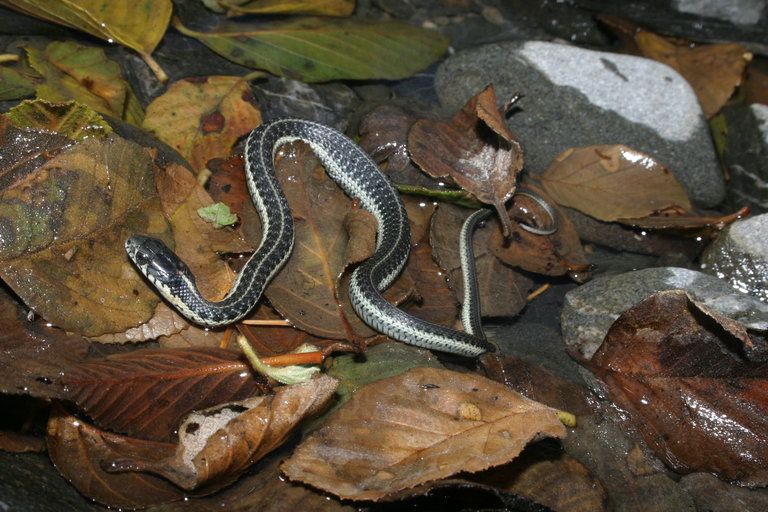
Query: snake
[[361, 179]]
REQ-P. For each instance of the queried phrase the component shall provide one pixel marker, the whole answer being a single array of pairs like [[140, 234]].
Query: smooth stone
[[738, 12], [590, 310], [575, 97], [746, 156], [739, 255]]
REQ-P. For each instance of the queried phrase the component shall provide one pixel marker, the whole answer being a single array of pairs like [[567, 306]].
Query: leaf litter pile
[[146, 409]]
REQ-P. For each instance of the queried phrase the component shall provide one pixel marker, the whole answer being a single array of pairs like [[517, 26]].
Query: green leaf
[[84, 74], [321, 49], [14, 84], [217, 214], [70, 119]]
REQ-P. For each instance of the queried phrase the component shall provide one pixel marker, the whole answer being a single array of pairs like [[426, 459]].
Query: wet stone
[[590, 310], [739, 255], [746, 156]]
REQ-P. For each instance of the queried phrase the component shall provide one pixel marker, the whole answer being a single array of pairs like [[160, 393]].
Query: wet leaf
[[678, 220], [475, 149], [436, 303], [137, 24], [33, 354], [612, 182], [306, 290], [16, 82], [69, 119], [555, 480], [503, 290], [79, 450], [553, 255], [305, 7], [384, 135], [713, 70], [217, 444], [203, 118], [65, 225], [422, 425], [321, 49], [71, 71], [14, 442], [146, 393], [694, 385], [262, 487]]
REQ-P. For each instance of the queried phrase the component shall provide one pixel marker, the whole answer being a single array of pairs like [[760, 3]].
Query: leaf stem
[[155, 67]]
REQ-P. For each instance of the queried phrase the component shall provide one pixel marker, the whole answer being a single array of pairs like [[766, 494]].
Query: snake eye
[[142, 258]]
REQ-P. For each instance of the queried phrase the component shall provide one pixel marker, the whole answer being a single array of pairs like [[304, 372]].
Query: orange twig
[[538, 291], [268, 323], [291, 359]]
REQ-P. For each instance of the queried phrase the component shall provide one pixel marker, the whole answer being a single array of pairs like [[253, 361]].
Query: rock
[[746, 156], [590, 310], [575, 97], [710, 493], [738, 12], [740, 256]]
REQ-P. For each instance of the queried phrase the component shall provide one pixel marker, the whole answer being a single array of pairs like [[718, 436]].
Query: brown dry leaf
[[694, 383], [384, 135], [437, 303], [475, 149], [678, 220], [79, 450], [714, 70], [552, 255], [261, 489], [65, 225], [32, 354], [422, 425], [14, 442], [611, 182], [217, 444], [202, 118], [555, 480], [503, 290], [306, 290], [146, 393]]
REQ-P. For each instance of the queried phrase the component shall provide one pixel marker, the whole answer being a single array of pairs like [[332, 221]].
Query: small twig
[[268, 323], [538, 291], [291, 359]]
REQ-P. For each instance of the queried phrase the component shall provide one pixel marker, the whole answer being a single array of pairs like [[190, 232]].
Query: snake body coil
[[349, 166]]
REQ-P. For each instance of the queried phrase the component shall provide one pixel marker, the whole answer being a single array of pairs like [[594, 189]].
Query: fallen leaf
[[555, 480], [553, 255], [137, 24], [612, 182], [305, 7], [69, 119], [65, 226], [306, 291], [681, 221], [79, 451], [146, 393], [17, 80], [217, 444], [713, 70], [503, 290], [475, 149], [321, 49], [203, 118], [694, 384], [422, 425], [262, 487], [71, 71], [384, 135], [33, 354], [15, 442]]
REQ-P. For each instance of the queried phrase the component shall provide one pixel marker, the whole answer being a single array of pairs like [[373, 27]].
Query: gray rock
[[589, 310], [576, 97], [738, 12], [740, 256], [746, 156]]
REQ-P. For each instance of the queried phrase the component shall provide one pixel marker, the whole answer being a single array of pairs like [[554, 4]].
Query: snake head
[[154, 259]]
